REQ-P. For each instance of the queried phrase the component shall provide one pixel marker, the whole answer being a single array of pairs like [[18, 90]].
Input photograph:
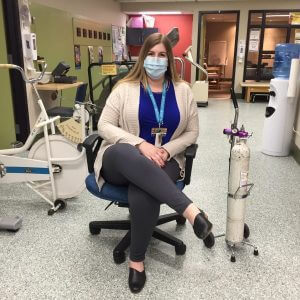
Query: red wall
[[165, 23]]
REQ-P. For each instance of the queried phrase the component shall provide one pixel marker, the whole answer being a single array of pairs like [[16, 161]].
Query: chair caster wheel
[[180, 249], [12, 230], [209, 241], [255, 252], [94, 230], [119, 257], [180, 220], [232, 258], [246, 231]]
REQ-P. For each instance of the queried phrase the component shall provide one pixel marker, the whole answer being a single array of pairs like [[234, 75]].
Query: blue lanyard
[[159, 115]]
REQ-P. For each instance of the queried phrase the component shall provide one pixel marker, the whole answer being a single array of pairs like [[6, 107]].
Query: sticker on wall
[[77, 57], [295, 16], [91, 54], [108, 70], [100, 55]]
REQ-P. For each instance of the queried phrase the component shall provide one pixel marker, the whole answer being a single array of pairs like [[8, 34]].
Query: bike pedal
[[56, 169]]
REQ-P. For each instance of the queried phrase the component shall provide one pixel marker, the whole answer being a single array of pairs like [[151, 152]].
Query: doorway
[[216, 51]]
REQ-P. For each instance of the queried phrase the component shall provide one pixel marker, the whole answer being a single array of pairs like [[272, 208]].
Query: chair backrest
[[81, 93]]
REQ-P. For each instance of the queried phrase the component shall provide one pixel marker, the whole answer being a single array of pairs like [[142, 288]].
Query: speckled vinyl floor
[[56, 257]]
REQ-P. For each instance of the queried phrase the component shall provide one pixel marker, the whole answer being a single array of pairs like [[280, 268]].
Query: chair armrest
[[190, 153], [91, 144]]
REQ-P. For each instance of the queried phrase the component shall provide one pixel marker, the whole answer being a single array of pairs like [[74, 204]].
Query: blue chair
[[118, 196], [67, 112]]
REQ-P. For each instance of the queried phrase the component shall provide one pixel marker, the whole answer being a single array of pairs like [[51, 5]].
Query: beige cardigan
[[119, 122]]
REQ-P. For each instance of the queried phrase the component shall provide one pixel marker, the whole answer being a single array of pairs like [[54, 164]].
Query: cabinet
[[137, 36]]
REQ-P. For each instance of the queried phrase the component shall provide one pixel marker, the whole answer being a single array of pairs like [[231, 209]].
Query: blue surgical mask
[[155, 67]]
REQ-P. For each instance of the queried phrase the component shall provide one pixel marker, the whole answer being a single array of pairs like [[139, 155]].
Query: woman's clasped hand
[[158, 155]]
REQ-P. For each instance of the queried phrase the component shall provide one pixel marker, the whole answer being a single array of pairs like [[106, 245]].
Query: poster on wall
[[77, 57], [119, 43], [100, 55], [91, 54]]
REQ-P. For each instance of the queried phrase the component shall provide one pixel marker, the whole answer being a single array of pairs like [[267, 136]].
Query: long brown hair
[[138, 74]]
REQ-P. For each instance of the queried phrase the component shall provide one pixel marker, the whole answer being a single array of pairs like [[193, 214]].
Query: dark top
[[147, 119]]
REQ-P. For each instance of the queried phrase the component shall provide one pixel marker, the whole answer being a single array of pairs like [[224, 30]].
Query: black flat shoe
[[136, 280], [202, 227]]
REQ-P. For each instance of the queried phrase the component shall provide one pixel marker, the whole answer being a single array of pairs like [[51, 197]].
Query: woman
[[148, 121]]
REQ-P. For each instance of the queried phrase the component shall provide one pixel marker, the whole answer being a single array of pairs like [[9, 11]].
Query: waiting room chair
[[67, 112], [118, 196], [213, 76]]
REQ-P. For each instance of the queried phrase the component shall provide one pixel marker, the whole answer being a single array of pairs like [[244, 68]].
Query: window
[[256, 18], [266, 29], [277, 18]]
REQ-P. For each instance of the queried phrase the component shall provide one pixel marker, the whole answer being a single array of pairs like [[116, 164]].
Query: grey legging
[[148, 187]]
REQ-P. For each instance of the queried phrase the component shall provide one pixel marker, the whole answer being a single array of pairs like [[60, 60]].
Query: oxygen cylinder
[[237, 192]]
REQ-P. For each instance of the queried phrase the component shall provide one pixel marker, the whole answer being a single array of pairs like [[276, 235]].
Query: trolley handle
[[236, 108], [233, 97]]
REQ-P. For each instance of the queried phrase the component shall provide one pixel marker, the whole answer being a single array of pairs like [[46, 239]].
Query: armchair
[[118, 196]]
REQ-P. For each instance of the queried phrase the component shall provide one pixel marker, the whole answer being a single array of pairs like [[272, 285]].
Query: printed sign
[[253, 46], [108, 70]]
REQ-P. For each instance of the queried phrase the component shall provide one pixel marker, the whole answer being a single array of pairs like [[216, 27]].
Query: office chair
[[67, 112], [118, 196]]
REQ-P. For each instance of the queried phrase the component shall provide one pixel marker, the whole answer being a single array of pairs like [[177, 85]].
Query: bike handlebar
[[27, 80], [7, 66]]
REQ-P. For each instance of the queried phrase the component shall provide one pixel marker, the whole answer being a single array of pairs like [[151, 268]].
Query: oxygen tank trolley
[[237, 231]]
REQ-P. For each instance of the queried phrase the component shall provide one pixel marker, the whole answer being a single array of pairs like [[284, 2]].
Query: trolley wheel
[[61, 203], [246, 231], [51, 211], [180, 220], [209, 241], [255, 252], [180, 249], [232, 258], [119, 257]]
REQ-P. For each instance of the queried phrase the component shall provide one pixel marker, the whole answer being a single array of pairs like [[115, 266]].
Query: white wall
[[102, 11]]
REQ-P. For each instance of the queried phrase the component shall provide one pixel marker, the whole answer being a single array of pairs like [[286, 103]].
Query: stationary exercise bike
[[55, 167]]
